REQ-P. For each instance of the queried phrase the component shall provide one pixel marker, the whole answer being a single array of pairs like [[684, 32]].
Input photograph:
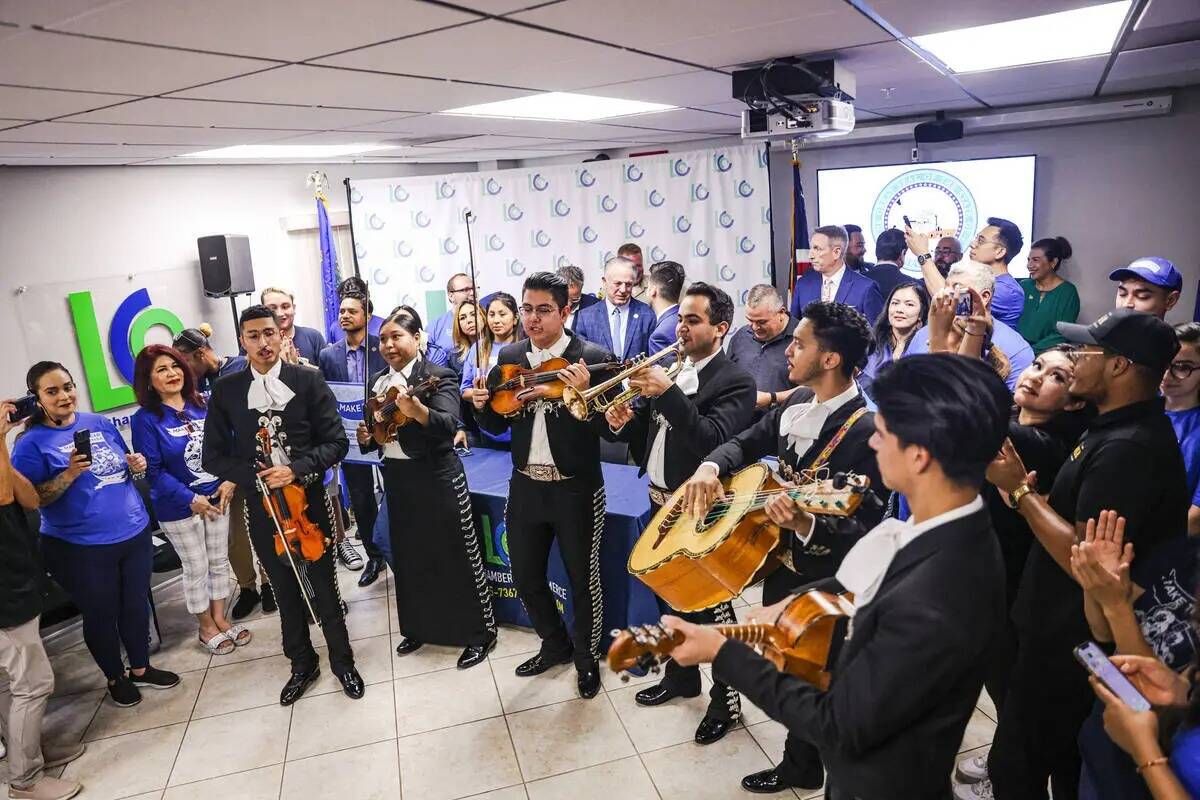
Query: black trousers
[[360, 482], [571, 511], [320, 574], [724, 701]]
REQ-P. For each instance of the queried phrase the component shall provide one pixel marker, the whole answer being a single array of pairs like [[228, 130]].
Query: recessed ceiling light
[[1078, 33], [288, 151], [560, 106]]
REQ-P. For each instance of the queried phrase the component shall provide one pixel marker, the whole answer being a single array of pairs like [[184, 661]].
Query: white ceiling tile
[[48, 12], [1053, 75], [1167, 63], [937, 16], [204, 113], [79, 133], [501, 6], [459, 156], [700, 88], [118, 151], [35, 58], [331, 137], [49, 161], [714, 32], [573, 146], [485, 52], [321, 86], [684, 119], [1164, 13], [454, 125], [290, 30], [47, 103]]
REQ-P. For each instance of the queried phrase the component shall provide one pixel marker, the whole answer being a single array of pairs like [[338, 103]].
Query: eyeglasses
[[462, 289], [944, 250], [1182, 370], [979, 240], [540, 311]]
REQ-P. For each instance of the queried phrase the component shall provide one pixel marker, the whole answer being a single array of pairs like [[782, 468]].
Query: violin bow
[[468, 218], [306, 589]]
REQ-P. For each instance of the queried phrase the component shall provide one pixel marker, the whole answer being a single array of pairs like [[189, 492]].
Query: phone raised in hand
[[1094, 661], [25, 406], [964, 305], [83, 442]]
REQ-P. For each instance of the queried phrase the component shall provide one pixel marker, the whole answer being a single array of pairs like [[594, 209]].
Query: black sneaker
[[155, 678], [124, 693], [246, 602], [268, 599]]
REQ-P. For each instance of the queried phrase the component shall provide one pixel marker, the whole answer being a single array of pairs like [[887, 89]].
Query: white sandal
[[234, 634], [216, 645]]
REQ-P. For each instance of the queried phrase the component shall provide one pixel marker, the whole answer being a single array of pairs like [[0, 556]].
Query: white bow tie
[[268, 393], [802, 423], [866, 564], [688, 379], [536, 357]]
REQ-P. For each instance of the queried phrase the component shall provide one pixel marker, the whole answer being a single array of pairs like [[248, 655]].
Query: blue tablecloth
[[627, 601]]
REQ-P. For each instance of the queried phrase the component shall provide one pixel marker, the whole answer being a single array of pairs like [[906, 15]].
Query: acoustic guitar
[[798, 643], [696, 563]]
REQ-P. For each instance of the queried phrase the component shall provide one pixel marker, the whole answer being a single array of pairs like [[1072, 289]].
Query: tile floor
[[424, 731]]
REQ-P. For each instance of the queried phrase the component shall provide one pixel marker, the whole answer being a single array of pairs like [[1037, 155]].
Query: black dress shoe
[[712, 730], [407, 646], [268, 599], [475, 653], [539, 664], [588, 680], [371, 571], [294, 688], [352, 684], [658, 694], [769, 781], [245, 605]]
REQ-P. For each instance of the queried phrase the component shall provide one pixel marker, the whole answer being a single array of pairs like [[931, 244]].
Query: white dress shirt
[[539, 440], [688, 381], [400, 381], [864, 567], [835, 280], [267, 392], [801, 423]]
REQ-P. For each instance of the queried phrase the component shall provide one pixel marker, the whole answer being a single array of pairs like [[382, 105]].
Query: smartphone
[[965, 306], [25, 406], [83, 442], [1094, 661]]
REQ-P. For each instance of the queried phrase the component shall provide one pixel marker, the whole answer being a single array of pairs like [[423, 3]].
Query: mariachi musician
[[822, 429], [442, 595], [299, 412], [710, 400], [557, 488]]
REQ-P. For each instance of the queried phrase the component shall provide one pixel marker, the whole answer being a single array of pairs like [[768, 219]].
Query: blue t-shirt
[[1008, 300], [441, 331], [1014, 346], [1187, 430], [172, 443], [101, 506], [1185, 760]]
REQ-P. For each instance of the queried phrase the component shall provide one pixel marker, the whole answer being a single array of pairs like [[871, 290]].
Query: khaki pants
[[241, 557], [26, 681]]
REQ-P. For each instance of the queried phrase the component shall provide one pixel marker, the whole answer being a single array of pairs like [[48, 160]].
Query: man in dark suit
[[856, 249], [824, 425], [344, 361], [928, 596], [829, 280], [557, 488], [664, 284], [620, 324], [576, 297], [890, 248], [294, 403], [710, 400]]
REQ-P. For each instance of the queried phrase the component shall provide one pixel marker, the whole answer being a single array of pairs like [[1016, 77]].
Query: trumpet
[[582, 404]]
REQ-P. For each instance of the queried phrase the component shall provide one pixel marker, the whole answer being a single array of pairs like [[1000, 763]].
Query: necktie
[[826, 290], [267, 392], [617, 339], [867, 563], [801, 424]]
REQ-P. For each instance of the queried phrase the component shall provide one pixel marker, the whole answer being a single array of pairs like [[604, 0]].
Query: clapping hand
[[1100, 563]]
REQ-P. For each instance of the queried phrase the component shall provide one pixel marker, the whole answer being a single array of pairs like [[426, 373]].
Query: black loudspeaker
[[225, 268], [938, 130]]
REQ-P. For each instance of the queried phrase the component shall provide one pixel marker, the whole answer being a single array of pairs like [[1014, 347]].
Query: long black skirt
[[442, 595]]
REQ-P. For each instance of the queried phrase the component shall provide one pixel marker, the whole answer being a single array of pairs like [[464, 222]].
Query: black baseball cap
[[1142, 338]]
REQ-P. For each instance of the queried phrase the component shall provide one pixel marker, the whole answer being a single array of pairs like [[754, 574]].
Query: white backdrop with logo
[[710, 210]]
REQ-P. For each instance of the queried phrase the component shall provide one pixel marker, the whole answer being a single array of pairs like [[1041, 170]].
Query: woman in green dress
[[1049, 299]]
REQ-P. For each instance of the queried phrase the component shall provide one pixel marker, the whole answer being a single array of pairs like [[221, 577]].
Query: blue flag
[[329, 274]]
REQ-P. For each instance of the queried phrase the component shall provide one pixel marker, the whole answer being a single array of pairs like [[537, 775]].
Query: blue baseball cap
[[1157, 271]]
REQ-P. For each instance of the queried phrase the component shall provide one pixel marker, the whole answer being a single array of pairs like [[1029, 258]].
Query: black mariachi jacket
[[435, 440], [575, 445]]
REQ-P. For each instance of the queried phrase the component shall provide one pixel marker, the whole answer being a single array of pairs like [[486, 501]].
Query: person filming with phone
[[95, 529]]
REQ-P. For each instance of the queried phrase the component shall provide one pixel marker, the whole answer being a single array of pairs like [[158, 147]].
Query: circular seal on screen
[[930, 198]]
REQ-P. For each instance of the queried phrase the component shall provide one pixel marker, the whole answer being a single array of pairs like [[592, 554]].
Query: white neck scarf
[[801, 423], [267, 392]]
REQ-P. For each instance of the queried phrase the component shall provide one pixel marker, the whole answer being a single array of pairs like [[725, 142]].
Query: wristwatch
[[1018, 493], [774, 399], [921, 259]]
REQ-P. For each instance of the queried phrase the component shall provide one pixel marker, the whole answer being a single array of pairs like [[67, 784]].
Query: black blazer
[[906, 681], [832, 537], [435, 440], [316, 439], [575, 445], [721, 407], [332, 359]]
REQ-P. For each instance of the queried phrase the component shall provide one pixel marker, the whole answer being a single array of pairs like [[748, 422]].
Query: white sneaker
[[348, 555], [972, 770], [974, 791]]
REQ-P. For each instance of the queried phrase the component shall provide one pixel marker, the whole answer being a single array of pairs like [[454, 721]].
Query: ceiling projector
[[789, 98]]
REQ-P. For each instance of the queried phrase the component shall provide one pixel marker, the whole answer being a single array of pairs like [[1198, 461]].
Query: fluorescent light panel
[[288, 151], [562, 106], [1079, 33]]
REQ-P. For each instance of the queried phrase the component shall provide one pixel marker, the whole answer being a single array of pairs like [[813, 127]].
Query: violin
[[296, 535], [798, 642], [511, 385], [385, 418]]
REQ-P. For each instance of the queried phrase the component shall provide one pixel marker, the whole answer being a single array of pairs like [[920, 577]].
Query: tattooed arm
[[51, 490]]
